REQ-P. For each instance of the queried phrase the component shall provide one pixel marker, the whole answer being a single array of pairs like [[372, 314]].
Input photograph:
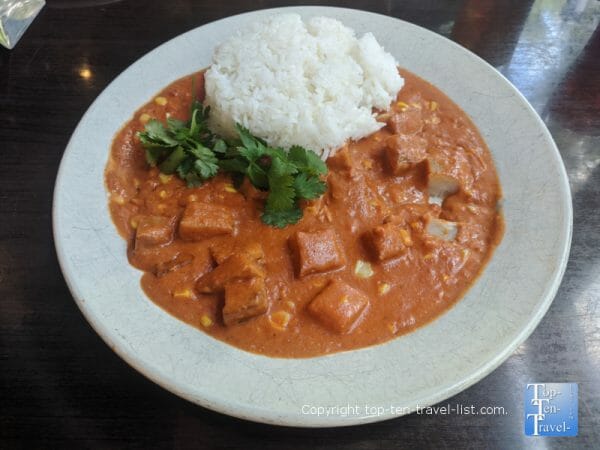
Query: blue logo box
[[551, 409]]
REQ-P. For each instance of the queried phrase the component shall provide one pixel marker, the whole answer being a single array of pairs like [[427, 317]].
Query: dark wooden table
[[63, 387]]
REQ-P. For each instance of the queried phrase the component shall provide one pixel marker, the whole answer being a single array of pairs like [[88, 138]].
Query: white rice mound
[[312, 84]]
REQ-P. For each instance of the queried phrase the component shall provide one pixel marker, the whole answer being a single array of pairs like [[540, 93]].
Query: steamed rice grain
[[312, 84]]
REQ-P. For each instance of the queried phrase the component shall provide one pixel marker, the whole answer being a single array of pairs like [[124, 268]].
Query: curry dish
[[409, 219]]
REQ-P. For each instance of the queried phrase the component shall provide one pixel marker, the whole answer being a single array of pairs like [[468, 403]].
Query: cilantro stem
[[169, 165]]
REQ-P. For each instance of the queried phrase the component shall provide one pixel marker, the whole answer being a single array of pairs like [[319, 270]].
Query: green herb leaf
[[220, 146], [309, 187], [281, 191], [307, 161], [257, 176], [281, 219], [238, 165], [155, 135]]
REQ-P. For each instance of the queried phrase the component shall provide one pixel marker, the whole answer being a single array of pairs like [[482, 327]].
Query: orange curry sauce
[[295, 292]]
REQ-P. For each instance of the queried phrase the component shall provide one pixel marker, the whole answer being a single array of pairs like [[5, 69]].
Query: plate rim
[[296, 420]]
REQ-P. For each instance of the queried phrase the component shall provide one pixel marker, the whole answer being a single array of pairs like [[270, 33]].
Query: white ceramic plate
[[422, 368]]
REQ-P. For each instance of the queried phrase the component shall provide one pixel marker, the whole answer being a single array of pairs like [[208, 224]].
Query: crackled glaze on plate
[[421, 368]]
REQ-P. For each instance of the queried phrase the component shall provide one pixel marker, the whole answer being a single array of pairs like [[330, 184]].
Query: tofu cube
[[237, 266], [175, 263], [220, 251], [205, 220], [338, 307], [153, 231], [406, 122], [316, 252], [244, 299], [403, 152], [385, 241]]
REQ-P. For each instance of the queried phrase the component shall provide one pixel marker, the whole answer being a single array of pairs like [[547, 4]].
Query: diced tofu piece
[[439, 184], [220, 251], [385, 241], [153, 231], [316, 252], [205, 220], [178, 261], [403, 152], [254, 251], [406, 122], [237, 266], [442, 229], [341, 159], [244, 299], [338, 307]]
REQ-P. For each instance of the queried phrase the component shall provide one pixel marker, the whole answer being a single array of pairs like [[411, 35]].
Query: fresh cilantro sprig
[[186, 148], [195, 154], [288, 176]]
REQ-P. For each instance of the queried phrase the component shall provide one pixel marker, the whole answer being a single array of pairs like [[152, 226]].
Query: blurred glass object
[[15, 17]]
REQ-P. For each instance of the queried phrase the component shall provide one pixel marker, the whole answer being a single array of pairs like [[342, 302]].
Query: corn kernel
[[393, 327], [118, 199], [192, 198], [280, 320], [144, 117], [465, 253], [160, 101], [367, 163], [427, 257], [319, 283], [230, 188], [206, 321], [183, 293], [310, 210], [433, 105], [416, 105], [163, 194], [415, 225], [363, 269], [403, 106], [404, 234], [290, 305], [383, 288], [445, 277], [164, 178], [134, 223]]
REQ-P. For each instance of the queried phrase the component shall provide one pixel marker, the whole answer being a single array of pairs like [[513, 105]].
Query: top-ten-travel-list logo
[[551, 409]]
